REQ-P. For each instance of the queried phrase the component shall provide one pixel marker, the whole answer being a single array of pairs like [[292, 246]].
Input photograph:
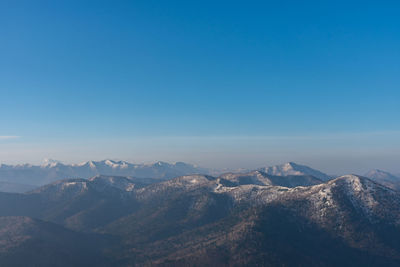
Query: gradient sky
[[217, 83]]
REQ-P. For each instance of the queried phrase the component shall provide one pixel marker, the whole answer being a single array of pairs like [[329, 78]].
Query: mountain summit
[[384, 178], [292, 168], [379, 174]]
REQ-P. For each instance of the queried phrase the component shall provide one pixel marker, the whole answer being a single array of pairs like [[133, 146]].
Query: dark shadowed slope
[[29, 242]]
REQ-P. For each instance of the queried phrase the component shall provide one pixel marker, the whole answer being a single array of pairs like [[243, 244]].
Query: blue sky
[[218, 83]]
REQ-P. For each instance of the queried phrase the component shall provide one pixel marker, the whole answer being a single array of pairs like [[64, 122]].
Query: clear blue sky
[[221, 83]]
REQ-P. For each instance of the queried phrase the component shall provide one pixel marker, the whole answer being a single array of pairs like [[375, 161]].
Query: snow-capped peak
[[50, 163], [90, 164], [116, 164]]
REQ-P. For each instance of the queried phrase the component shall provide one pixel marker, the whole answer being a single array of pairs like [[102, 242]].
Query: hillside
[[236, 219]]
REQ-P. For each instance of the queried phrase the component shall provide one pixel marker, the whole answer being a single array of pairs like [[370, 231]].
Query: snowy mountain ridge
[[53, 170]]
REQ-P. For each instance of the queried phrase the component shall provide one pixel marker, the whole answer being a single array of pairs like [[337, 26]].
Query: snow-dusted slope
[[261, 178], [71, 188], [195, 214], [102, 182], [325, 204]]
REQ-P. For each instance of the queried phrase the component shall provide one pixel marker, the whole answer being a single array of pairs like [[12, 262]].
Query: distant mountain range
[[281, 216], [25, 177], [21, 178], [51, 171]]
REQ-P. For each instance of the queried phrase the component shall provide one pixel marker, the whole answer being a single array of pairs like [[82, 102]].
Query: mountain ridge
[[233, 219], [291, 168]]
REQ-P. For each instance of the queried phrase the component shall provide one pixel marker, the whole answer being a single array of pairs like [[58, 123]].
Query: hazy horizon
[[222, 85], [325, 167], [332, 153]]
